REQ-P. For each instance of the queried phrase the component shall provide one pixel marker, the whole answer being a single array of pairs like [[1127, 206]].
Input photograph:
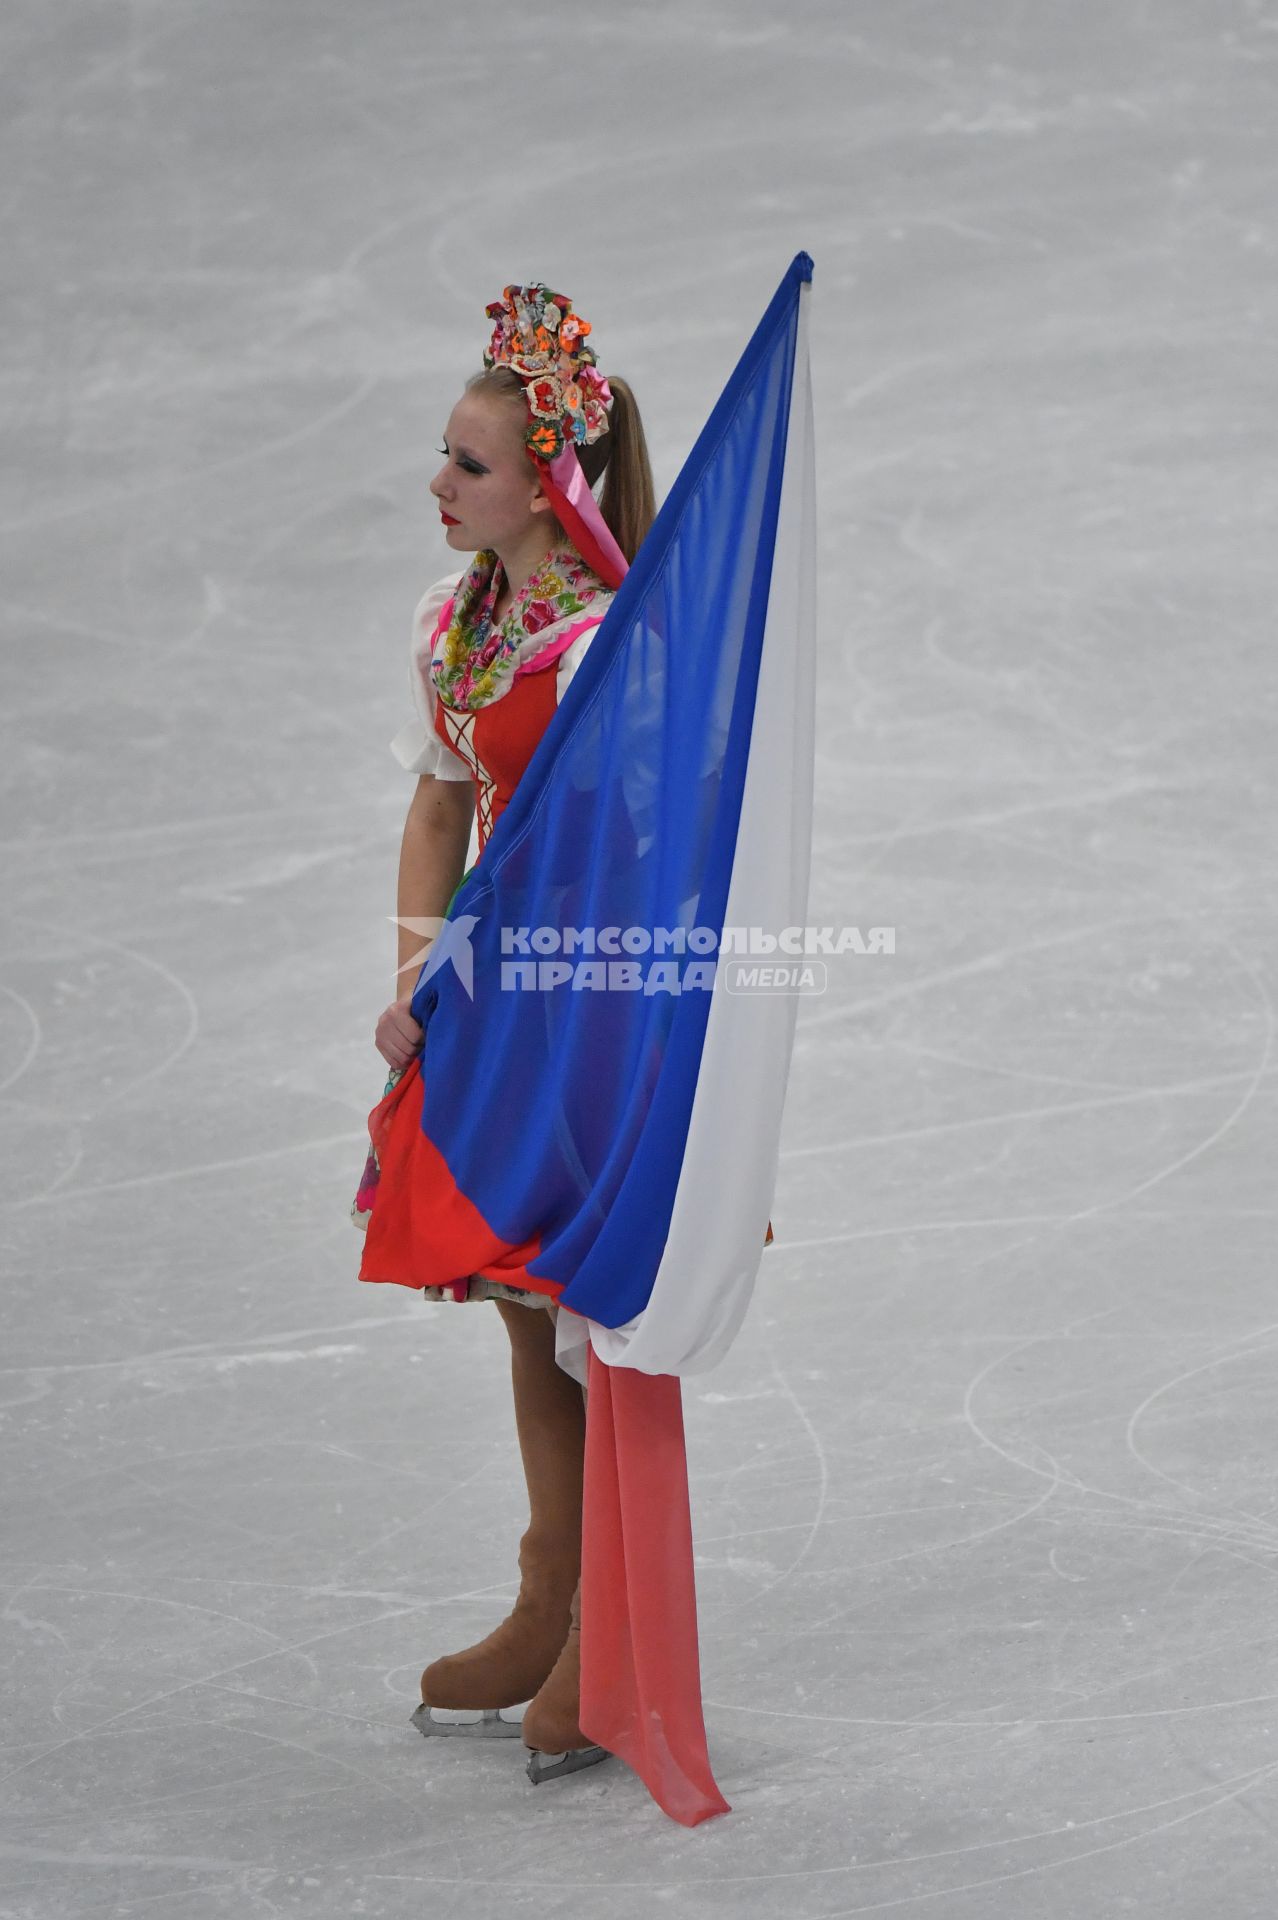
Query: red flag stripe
[[640, 1669]]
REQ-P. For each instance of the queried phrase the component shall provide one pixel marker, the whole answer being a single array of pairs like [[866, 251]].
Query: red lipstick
[[447, 519]]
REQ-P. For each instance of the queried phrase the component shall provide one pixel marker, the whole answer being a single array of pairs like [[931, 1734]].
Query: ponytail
[[629, 502]]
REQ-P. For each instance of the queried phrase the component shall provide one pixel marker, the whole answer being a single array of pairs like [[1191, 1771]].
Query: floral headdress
[[538, 336]]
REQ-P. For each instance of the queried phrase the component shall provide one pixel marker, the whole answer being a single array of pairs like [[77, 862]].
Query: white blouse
[[417, 746]]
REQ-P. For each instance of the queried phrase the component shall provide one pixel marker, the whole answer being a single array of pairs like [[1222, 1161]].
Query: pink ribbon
[[577, 512]]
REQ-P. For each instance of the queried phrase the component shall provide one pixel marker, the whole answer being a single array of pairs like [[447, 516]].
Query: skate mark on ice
[[1256, 1343], [1129, 1097], [35, 1040], [238, 1163], [76, 938], [991, 962], [1231, 1120], [115, 1720]]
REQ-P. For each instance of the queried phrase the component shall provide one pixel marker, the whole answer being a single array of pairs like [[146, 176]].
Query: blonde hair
[[620, 457]]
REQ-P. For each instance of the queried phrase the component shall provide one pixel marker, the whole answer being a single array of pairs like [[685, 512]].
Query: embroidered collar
[[475, 662]]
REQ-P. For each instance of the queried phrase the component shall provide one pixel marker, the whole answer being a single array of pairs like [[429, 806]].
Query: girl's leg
[[512, 1663], [550, 1727]]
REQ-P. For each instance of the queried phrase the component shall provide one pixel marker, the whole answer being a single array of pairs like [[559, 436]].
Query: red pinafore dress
[[496, 741]]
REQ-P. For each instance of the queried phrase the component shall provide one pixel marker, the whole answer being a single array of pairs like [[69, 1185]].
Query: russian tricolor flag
[[607, 1138]]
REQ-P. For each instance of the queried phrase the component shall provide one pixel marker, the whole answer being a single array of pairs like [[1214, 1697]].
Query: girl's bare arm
[[432, 859]]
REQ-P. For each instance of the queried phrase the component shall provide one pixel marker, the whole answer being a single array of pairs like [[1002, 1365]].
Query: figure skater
[[493, 649]]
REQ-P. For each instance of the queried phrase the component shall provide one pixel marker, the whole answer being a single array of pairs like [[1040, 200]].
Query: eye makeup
[[465, 461]]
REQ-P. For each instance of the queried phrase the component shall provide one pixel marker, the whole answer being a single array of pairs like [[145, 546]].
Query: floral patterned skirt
[[477, 1287]]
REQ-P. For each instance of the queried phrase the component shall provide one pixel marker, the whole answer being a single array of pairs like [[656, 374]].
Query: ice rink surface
[[984, 1495]]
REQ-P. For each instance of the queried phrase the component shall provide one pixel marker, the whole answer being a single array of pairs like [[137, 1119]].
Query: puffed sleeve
[[573, 655], [417, 746]]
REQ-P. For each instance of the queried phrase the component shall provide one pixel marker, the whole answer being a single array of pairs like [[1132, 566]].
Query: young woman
[[492, 651]]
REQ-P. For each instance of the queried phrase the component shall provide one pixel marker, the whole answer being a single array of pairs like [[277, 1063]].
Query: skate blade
[[550, 1766], [479, 1723]]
